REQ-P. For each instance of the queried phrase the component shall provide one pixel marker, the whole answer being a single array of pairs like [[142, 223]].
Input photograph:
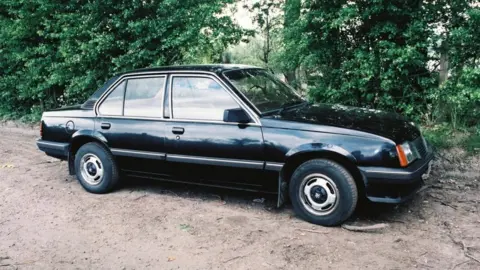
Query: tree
[[367, 53], [292, 40], [266, 14], [457, 100], [60, 51]]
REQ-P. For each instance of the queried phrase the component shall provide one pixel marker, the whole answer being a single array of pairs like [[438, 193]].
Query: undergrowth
[[444, 136]]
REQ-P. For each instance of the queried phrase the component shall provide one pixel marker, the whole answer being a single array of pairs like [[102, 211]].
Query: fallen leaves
[[7, 166]]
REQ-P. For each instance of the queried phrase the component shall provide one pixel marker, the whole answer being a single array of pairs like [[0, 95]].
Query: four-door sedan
[[238, 127]]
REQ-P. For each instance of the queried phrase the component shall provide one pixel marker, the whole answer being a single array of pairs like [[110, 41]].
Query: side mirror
[[235, 116]]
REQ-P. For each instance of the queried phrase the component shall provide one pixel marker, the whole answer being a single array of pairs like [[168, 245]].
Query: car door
[[200, 145], [130, 119]]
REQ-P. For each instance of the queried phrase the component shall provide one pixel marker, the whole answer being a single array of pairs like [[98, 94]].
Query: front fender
[[320, 148], [306, 149]]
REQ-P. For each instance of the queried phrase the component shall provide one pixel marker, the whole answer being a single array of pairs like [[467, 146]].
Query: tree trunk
[[443, 63], [292, 14]]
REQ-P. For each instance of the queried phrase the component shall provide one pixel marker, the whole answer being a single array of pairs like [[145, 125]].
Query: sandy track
[[47, 221]]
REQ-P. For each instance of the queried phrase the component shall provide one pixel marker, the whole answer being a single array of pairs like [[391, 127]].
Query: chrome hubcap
[[92, 169], [319, 194]]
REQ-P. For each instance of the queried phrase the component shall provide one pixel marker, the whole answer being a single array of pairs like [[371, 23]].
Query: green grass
[[443, 136], [472, 143]]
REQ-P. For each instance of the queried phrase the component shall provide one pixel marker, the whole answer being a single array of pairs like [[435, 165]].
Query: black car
[[238, 127]]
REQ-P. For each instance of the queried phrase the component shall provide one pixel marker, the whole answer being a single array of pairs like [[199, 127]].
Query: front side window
[[143, 97], [199, 98], [113, 104], [263, 89]]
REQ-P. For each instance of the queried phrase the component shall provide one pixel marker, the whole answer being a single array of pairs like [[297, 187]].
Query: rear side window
[[143, 97], [200, 98], [113, 104], [135, 97]]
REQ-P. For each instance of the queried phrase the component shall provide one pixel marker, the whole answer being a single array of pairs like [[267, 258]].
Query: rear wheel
[[323, 192], [95, 168]]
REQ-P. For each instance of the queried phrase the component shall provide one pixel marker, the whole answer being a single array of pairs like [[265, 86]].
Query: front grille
[[420, 146]]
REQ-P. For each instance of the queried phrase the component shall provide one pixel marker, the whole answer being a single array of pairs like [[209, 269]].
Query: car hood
[[389, 125]]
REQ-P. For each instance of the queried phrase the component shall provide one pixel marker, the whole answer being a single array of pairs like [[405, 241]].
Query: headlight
[[405, 154]]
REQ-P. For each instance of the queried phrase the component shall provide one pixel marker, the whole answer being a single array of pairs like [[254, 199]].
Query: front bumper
[[54, 149], [392, 185]]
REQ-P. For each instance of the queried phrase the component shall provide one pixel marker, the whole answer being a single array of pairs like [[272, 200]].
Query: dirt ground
[[47, 221]]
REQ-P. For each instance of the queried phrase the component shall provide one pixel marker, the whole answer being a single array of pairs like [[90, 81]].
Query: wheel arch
[[80, 138], [332, 153]]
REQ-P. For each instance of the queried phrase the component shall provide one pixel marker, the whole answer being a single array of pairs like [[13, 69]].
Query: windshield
[[263, 89]]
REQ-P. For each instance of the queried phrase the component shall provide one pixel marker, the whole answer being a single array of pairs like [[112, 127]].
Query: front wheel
[[323, 192], [95, 168]]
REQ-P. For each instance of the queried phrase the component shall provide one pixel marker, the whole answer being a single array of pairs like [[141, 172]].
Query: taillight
[[41, 129]]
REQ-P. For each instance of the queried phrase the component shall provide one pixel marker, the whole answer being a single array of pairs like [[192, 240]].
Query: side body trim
[[138, 154], [273, 166], [250, 164]]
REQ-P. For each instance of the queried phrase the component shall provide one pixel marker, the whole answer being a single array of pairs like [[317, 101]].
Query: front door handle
[[178, 130], [105, 125]]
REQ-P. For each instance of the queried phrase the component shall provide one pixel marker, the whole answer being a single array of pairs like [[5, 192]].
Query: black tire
[[343, 185], [110, 176]]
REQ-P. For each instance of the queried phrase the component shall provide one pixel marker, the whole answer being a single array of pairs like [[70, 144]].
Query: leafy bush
[[458, 100], [441, 136], [472, 143], [445, 136], [58, 52]]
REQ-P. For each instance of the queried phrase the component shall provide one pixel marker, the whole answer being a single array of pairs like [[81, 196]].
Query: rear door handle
[[178, 130], [105, 125]]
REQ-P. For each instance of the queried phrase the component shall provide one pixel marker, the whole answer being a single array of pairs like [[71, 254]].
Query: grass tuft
[[443, 136]]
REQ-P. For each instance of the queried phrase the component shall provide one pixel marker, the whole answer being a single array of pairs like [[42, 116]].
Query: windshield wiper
[[290, 104]]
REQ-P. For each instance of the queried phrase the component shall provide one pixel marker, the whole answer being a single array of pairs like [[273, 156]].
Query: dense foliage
[[387, 54], [372, 54], [417, 57], [56, 52]]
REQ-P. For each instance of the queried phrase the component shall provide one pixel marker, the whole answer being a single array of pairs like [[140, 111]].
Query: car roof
[[216, 68]]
